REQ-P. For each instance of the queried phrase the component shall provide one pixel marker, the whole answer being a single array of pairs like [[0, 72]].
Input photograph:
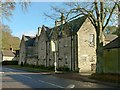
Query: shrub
[[50, 68], [42, 67], [63, 68], [10, 63]]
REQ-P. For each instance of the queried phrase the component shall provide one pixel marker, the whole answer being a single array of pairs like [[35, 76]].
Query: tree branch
[[96, 9], [105, 14], [101, 11], [74, 17], [50, 16], [109, 16], [69, 13]]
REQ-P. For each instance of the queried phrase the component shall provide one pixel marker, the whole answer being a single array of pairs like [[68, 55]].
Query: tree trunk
[[99, 50]]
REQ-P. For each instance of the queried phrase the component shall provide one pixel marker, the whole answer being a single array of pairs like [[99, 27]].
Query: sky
[[27, 22]]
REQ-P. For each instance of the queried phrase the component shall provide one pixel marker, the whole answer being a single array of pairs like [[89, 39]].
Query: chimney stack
[[62, 18], [61, 21], [39, 30], [57, 23]]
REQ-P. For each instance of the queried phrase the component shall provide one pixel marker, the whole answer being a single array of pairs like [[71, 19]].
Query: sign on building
[[53, 46]]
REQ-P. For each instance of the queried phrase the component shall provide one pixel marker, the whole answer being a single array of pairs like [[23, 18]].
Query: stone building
[[27, 50], [86, 47], [75, 43], [42, 46], [8, 55]]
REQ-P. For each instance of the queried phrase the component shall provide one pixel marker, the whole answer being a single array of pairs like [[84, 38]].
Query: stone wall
[[74, 52], [31, 61], [64, 52], [86, 50], [22, 52], [42, 48]]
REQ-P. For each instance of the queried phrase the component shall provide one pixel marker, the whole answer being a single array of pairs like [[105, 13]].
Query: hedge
[[10, 63]]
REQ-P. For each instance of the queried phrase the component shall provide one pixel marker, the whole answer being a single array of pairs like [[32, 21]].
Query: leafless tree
[[99, 12], [7, 7]]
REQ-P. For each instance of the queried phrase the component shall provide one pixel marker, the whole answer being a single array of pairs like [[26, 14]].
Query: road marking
[[43, 81], [26, 76], [71, 86], [51, 84], [38, 80]]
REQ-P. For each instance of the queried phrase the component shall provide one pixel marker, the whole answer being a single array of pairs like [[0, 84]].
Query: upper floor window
[[66, 60], [91, 40], [65, 42], [60, 34]]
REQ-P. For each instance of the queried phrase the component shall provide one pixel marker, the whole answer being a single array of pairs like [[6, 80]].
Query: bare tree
[[7, 7], [99, 12], [6, 10]]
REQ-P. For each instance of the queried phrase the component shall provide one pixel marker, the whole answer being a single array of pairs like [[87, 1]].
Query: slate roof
[[29, 40], [47, 30], [8, 53], [75, 24], [110, 37], [69, 28], [113, 44]]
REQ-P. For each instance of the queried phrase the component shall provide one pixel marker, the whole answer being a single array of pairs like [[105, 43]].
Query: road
[[14, 78]]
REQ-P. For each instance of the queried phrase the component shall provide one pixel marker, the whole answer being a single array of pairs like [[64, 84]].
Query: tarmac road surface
[[14, 78]]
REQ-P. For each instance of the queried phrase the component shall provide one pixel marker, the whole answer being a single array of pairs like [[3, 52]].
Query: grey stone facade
[[75, 46], [87, 47], [28, 49]]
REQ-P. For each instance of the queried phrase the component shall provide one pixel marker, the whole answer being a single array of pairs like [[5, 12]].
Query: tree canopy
[[8, 40]]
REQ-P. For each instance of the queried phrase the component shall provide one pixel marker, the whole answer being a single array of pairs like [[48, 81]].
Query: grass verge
[[108, 77], [30, 69]]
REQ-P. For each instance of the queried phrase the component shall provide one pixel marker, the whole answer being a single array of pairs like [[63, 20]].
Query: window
[[92, 59], [60, 34], [66, 42], [93, 67], [66, 60], [91, 40]]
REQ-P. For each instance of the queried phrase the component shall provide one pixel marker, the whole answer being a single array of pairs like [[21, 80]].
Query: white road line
[[71, 86], [51, 84], [26, 76], [39, 80], [43, 81]]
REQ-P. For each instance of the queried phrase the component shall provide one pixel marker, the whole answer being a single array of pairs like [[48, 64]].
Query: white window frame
[[91, 40]]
